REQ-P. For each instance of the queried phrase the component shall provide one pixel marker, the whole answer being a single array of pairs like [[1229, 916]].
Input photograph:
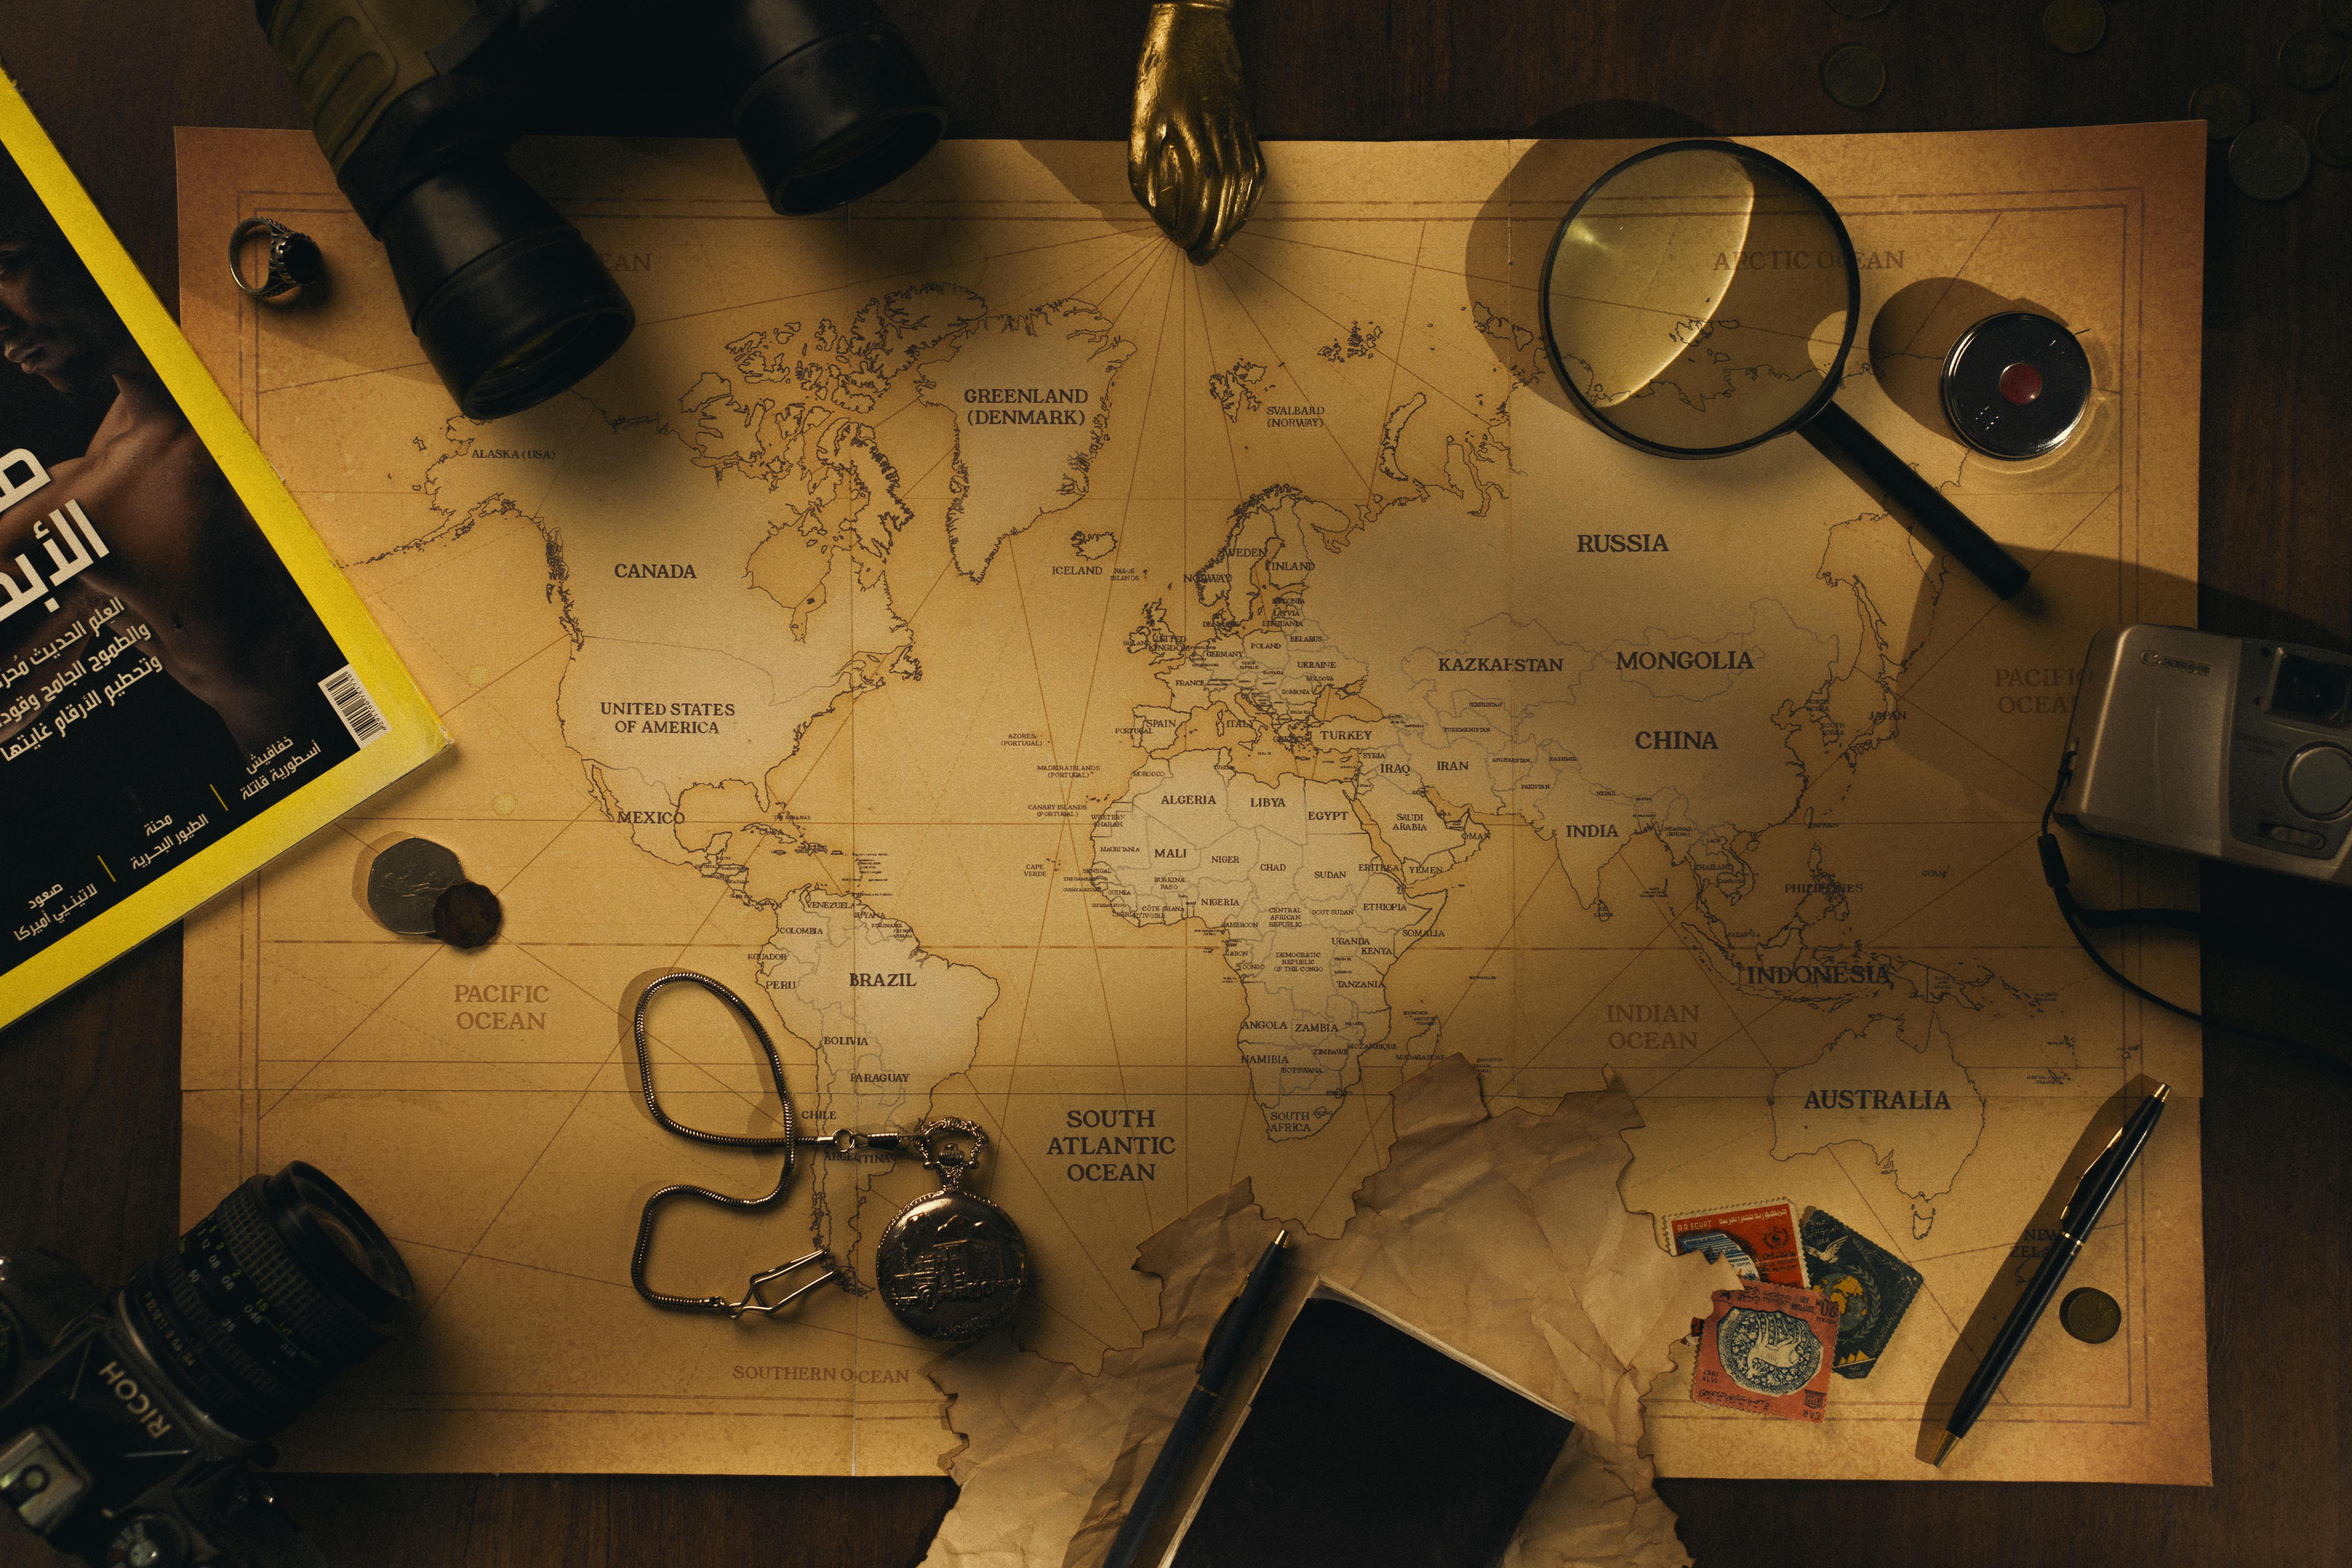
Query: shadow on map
[[2275, 936], [2032, 647], [1080, 169], [1913, 334]]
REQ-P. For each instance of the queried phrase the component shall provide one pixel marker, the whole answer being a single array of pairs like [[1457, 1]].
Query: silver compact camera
[[2239, 749]]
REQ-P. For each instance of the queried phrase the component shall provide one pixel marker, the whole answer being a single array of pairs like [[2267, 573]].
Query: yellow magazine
[[188, 687]]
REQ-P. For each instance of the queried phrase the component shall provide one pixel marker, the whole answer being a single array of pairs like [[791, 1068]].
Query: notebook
[[1367, 1443]]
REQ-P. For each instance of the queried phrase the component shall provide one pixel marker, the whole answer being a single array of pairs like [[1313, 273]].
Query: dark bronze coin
[[404, 882], [2224, 107], [2076, 26], [2269, 161], [951, 1266], [2310, 59], [467, 915], [2331, 136], [1854, 76], [1858, 7], [2091, 1315]]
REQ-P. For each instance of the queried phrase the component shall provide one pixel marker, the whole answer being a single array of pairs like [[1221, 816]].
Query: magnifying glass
[[1702, 298]]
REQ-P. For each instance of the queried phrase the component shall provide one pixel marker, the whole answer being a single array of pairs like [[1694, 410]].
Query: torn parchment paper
[[1502, 1235]]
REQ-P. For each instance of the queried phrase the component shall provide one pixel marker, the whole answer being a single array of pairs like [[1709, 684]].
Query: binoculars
[[414, 102]]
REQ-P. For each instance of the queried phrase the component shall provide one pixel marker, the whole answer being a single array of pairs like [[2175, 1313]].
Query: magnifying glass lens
[[1699, 300], [1700, 297]]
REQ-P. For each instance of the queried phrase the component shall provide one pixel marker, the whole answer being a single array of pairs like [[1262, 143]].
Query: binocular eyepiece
[[414, 102]]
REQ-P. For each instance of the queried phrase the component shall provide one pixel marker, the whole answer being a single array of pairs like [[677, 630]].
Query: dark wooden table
[[88, 1087]]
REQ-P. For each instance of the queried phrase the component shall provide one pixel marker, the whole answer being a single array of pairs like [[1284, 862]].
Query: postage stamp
[[1870, 1287], [1758, 1240], [1766, 1350]]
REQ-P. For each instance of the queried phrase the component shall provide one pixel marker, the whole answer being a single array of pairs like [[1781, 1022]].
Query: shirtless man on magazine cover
[[157, 521]]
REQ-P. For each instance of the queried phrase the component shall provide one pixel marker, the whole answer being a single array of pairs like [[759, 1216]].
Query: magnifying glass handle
[[1971, 546]]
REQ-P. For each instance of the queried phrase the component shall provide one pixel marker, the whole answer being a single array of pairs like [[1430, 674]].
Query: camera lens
[[829, 104], [510, 303], [284, 1285]]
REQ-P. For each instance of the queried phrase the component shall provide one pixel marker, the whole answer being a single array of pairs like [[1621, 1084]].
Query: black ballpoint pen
[[1219, 1361], [2099, 1184]]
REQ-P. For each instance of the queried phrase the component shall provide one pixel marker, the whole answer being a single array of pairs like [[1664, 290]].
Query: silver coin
[[2075, 27], [2269, 161], [405, 881], [1854, 76], [2331, 136], [2224, 107], [2309, 59]]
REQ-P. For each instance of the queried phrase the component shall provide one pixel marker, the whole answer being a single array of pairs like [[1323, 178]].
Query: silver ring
[[294, 260]]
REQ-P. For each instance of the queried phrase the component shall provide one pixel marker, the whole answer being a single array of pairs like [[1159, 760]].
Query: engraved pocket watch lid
[[951, 1266]]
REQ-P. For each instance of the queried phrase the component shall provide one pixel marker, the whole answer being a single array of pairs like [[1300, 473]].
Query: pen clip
[[2083, 1184]]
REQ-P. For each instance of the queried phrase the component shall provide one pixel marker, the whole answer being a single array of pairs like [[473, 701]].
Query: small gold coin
[[2224, 107], [2091, 1315], [1855, 76], [2309, 59], [2076, 26], [2331, 136]]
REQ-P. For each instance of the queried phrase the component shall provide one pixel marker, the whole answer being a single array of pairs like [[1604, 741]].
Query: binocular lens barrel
[[510, 302], [829, 104], [413, 101]]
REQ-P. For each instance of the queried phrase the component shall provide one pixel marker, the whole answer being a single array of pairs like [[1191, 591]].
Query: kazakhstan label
[[1468, 664]]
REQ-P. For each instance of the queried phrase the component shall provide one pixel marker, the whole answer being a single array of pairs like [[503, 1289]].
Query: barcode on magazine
[[357, 709]]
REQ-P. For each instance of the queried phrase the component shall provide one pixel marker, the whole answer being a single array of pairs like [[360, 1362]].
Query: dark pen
[[2099, 1184], [1219, 1361]]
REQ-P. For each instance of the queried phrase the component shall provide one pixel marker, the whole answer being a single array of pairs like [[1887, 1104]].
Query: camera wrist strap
[[2081, 921]]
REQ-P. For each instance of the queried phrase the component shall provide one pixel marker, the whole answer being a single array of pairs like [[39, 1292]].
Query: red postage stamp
[[1759, 1241], [1767, 1350]]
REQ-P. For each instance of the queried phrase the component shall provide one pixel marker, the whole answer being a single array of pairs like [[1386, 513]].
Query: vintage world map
[[1152, 710]]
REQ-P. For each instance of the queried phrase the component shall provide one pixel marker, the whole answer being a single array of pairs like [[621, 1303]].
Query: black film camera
[[127, 1424], [414, 102]]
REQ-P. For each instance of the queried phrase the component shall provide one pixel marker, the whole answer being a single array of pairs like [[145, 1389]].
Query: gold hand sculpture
[[1191, 158]]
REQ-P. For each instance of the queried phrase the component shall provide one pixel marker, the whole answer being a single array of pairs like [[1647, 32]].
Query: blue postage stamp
[[1870, 1287]]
